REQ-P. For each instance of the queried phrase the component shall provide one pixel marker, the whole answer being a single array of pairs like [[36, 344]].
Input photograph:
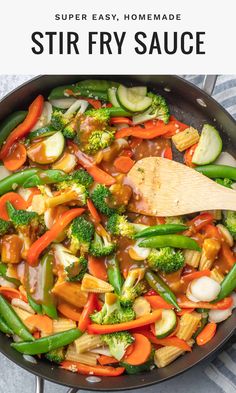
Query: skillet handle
[[209, 83], [39, 388]]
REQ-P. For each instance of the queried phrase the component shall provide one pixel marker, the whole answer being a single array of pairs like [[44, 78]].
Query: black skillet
[[189, 104]]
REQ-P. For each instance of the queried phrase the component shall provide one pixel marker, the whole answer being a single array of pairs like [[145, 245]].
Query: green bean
[[46, 344], [10, 123], [3, 273], [177, 241], [221, 171], [162, 229], [17, 179], [87, 88], [45, 177], [4, 328], [227, 285], [157, 283], [13, 321], [114, 275], [47, 282]]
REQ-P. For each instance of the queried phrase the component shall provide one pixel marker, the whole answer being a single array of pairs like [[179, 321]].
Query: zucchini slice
[[166, 324], [209, 146], [133, 98], [112, 96], [48, 150]]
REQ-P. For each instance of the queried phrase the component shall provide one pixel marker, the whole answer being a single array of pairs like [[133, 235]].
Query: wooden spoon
[[167, 188]]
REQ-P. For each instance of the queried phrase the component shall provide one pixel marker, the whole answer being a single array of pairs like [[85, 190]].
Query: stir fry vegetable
[[85, 283]]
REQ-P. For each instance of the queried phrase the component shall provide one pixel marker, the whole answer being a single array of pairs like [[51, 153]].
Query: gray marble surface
[[13, 379]]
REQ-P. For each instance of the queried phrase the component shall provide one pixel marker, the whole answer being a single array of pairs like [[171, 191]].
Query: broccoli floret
[[81, 232], [230, 222], [56, 355], [118, 343], [119, 225], [4, 226], [133, 287], [101, 245], [225, 182], [158, 110], [175, 220], [74, 267], [99, 140], [112, 312], [72, 190], [60, 119], [166, 259], [101, 116], [26, 223], [82, 177], [100, 196]]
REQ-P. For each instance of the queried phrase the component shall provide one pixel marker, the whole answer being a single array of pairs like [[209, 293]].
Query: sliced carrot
[[121, 120], [188, 156], [41, 322], [16, 200], [97, 268], [100, 176], [157, 302], [123, 164], [93, 211], [143, 133], [198, 274], [168, 153], [206, 334], [69, 311], [12, 293], [16, 157], [105, 360], [141, 352], [84, 369], [211, 231]]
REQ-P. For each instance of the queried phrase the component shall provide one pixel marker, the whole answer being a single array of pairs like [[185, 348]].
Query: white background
[[18, 19]]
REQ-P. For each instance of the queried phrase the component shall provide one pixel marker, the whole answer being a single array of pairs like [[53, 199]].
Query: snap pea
[[203, 323], [118, 111], [87, 88], [214, 171], [162, 229], [4, 328], [227, 285], [3, 273], [10, 123], [177, 241], [46, 344], [41, 177], [17, 179], [47, 282], [13, 321], [35, 306], [157, 283], [114, 275]]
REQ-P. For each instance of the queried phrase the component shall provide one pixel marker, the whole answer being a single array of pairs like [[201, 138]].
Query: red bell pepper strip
[[43, 242], [87, 162], [93, 211], [142, 321], [200, 221], [91, 306], [12, 293], [227, 302], [157, 302], [121, 120], [140, 132], [192, 276], [227, 255], [211, 231], [188, 156], [168, 153], [16, 200], [35, 110], [101, 371], [96, 104], [174, 127]]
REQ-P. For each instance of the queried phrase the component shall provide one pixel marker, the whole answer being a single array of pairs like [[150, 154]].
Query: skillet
[[189, 104]]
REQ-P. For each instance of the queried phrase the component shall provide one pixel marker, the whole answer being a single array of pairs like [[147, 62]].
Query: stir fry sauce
[[87, 271]]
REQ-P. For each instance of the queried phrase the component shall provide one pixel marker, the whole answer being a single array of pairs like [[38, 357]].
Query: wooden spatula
[[167, 188]]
